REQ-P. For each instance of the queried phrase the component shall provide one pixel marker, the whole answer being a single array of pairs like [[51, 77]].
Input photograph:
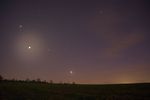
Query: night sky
[[85, 41]]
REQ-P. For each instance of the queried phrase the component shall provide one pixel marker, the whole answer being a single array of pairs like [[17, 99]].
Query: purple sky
[[86, 41]]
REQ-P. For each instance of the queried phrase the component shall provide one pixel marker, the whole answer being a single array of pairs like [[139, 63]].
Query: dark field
[[12, 90]]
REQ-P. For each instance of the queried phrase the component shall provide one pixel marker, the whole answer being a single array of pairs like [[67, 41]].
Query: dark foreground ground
[[12, 90]]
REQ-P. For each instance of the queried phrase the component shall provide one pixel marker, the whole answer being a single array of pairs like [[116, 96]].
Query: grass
[[14, 90]]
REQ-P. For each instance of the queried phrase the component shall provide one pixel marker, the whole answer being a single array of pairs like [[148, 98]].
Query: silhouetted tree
[[33, 81], [51, 81], [13, 79], [38, 80], [27, 80], [73, 83], [1, 78]]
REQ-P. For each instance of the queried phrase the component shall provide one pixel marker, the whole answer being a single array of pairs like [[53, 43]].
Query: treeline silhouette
[[27, 80]]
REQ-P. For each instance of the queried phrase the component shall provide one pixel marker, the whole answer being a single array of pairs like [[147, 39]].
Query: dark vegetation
[[42, 90]]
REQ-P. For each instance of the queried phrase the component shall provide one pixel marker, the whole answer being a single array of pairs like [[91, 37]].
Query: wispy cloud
[[117, 31], [118, 45]]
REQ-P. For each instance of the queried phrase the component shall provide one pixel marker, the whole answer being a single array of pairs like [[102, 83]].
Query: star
[[101, 11], [29, 47], [20, 26]]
